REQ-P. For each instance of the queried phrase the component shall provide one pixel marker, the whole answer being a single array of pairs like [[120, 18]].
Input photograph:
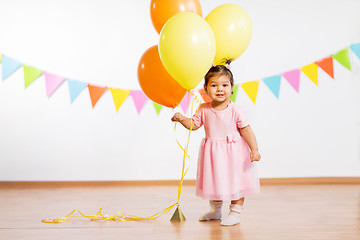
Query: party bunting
[[311, 71], [326, 64], [95, 93], [75, 88], [184, 104], [251, 89], [273, 84], [293, 77], [157, 107], [139, 99], [30, 74], [343, 58], [356, 49], [119, 96], [235, 90], [9, 66], [204, 95], [52, 82]]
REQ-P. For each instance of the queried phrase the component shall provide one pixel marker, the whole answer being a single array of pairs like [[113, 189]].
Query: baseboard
[[310, 180], [264, 181]]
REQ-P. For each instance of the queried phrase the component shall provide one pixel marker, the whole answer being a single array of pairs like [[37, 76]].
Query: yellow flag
[[119, 96], [251, 89], [311, 71]]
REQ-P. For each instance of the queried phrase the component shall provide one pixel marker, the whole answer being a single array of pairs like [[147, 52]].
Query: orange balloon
[[163, 10], [156, 82]]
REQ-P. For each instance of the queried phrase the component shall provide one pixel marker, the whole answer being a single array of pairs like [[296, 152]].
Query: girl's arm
[[186, 122], [250, 139]]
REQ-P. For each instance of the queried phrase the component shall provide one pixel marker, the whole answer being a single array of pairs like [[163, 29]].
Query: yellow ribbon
[[121, 216], [183, 173]]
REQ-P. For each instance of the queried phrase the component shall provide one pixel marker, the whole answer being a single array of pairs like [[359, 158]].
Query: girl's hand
[[254, 156], [177, 117]]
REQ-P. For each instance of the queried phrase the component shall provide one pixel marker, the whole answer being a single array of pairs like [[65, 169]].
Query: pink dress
[[224, 171]]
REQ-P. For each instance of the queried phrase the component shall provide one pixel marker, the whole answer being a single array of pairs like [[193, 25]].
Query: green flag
[[30, 74], [157, 107], [233, 96], [343, 58]]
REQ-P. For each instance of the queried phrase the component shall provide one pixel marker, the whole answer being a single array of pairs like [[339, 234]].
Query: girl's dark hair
[[217, 71]]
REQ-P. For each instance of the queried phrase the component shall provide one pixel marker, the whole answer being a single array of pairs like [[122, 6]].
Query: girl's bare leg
[[238, 202]]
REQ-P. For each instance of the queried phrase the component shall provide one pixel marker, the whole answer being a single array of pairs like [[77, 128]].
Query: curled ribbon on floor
[[121, 216]]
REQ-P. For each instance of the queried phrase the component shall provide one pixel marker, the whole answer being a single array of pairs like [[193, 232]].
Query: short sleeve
[[198, 117], [241, 117]]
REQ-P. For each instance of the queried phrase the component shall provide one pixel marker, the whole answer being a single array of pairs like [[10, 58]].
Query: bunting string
[[273, 83]]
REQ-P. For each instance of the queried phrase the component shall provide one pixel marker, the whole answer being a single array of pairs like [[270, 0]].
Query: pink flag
[[52, 82], [185, 102], [139, 99], [293, 77]]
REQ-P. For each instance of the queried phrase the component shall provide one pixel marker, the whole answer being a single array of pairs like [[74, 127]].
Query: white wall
[[314, 133]]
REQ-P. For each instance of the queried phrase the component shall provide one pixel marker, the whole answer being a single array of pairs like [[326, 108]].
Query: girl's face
[[219, 88]]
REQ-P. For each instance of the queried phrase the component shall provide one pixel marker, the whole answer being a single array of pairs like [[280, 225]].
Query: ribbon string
[[121, 216]]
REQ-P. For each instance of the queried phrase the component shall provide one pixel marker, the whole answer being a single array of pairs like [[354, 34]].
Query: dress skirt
[[225, 171]]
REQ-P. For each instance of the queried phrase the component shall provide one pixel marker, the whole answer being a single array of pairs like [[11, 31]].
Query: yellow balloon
[[187, 48], [232, 29]]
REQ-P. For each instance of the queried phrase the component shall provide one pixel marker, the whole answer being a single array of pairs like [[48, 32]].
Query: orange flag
[[95, 93], [204, 95], [326, 64]]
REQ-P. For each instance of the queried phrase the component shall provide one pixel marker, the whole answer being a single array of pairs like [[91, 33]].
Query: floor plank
[[280, 212]]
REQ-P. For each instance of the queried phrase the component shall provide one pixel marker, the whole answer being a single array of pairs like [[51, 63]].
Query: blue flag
[[9, 66], [356, 49], [273, 84], [75, 88]]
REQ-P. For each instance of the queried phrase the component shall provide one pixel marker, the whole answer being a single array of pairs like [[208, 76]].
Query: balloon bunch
[[188, 46]]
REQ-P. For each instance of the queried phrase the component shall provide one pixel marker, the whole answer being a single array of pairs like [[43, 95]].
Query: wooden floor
[[280, 212]]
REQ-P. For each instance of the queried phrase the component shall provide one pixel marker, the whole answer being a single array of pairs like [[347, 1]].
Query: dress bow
[[231, 139]]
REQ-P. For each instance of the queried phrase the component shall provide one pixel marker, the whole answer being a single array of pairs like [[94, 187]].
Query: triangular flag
[[185, 102], [119, 96], [52, 82], [204, 95], [356, 49], [235, 90], [30, 74], [311, 71], [326, 64], [343, 58], [157, 107], [9, 66], [293, 77], [273, 84], [75, 88], [251, 89], [95, 93], [139, 99]]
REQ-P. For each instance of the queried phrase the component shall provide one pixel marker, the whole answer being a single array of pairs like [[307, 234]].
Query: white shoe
[[215, 212], [233, 217]]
